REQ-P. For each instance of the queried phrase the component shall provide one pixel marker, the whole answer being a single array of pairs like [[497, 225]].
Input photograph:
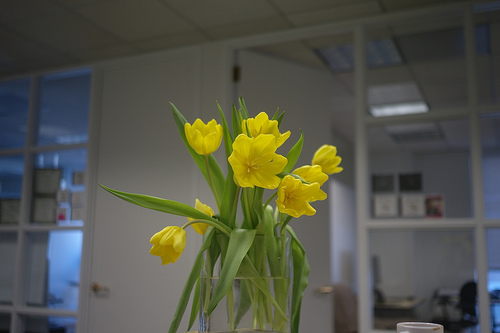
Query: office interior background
[[85, 88]]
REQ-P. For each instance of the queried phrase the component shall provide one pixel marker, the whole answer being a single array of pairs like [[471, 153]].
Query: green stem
[[284, 220], [220, 226], [208, 284], [275, 194], [235, 205], [246, 206], [211, 182], [265, 291]]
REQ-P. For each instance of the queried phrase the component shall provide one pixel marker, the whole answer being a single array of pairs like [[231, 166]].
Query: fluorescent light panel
[[398, 109]]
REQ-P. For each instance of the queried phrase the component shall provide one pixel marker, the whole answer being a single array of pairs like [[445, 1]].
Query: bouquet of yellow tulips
[[253, 166]]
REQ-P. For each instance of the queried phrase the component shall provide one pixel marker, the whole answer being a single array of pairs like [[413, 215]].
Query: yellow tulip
[[294, 197], [262, 125], [204, 139], [201, 228], [313, 174], [326, 157], [168, 244], [255, 162]]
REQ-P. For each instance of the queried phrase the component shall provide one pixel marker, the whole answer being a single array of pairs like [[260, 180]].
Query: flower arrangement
[[253, 166]]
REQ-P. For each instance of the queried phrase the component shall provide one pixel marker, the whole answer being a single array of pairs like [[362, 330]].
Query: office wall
[[139, 150]]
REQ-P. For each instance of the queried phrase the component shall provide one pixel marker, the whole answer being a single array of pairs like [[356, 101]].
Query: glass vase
[[260, 295]]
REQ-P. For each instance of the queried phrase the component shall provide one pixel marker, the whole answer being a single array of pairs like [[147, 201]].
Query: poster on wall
[[382, 183], [410, 182], [385, 205], [79, 178], [413, 205], [434, 206]]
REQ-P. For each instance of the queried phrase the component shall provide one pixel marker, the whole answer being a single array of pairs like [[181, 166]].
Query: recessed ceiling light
[[398, 109]]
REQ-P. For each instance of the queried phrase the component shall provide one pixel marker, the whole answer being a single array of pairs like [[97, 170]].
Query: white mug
[[417, 327]]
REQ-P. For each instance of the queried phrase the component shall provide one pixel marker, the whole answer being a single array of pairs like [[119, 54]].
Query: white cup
[[416, 327]]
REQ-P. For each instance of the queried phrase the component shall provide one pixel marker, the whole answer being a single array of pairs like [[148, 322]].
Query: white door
[[139, 150]]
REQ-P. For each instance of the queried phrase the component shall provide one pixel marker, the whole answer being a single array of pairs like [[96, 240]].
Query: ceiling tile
[[331, 40], [301, 6], [336, 14], [64, 31], [392, 5], [17, 48], [296, 51], [213, 13], [79, 3], [248, 28], [134, 20], [166, 42], [104, 53], [11, 11]]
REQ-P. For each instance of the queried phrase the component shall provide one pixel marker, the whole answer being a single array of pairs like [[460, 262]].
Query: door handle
[[100, 290], [325, 290]]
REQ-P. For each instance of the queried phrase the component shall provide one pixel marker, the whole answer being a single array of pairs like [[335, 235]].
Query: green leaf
[[243, 108], [228, 140], [229, 199], [276, 115], [191, 280], [229, 202], [280, 118], [196, 304], [166, 206], [294, 154], [236, 122], [300, 279], [239, 243], [215, 170], [245, 301]]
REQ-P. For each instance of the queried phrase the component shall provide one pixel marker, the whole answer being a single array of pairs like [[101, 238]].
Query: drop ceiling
[[45, 34], [40, 35]]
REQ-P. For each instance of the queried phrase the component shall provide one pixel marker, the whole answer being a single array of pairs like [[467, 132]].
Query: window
[[43, 161]]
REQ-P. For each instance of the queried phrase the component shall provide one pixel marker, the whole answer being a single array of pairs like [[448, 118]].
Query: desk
[[393, 310], [396, 307], [406, 303]]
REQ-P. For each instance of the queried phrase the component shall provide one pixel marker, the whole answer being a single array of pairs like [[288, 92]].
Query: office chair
[[345, 309], [467, 305]]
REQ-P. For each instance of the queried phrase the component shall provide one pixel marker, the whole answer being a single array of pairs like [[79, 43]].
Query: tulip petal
[[168, 244]]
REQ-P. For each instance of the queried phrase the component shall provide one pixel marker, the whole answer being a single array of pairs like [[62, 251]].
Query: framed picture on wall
[[434, 206], [382, 183], [385, 205], [410, 182], [413, 205]]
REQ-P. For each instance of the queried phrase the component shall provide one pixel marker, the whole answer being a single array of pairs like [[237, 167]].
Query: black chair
[[467, 305]]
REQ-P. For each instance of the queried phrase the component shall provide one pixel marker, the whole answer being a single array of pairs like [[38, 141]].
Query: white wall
[[306, 95], [343, 233], [140, 150]]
